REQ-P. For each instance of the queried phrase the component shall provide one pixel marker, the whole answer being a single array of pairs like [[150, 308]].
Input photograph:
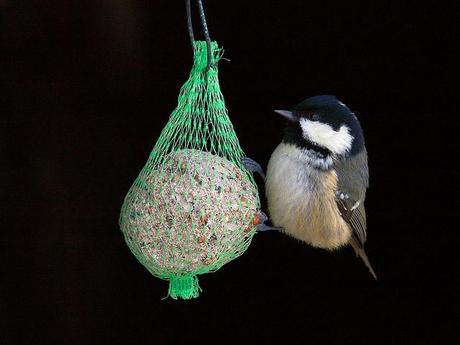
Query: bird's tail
[[362, 254]]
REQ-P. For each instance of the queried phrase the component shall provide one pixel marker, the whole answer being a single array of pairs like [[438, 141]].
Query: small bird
[[318, 175]]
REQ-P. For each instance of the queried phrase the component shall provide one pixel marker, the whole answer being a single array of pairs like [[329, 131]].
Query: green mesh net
[[194, 206]]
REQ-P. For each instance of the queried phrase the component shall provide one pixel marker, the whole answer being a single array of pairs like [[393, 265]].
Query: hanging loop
[[204, 26]]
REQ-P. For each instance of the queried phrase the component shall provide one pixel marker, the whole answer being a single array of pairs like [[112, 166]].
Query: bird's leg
[[262, 226], [253, 166]]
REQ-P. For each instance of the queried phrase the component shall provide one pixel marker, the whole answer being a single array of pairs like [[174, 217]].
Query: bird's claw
[[263, 217], [262, 226], [253, 166]]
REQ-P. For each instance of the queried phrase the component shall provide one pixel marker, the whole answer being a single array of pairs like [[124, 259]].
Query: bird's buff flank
[[299, 200]]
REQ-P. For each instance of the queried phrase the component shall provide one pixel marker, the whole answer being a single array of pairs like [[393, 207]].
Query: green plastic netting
[[194, 206]]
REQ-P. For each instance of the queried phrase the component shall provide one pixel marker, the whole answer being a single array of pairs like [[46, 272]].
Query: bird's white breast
[[301, 199]]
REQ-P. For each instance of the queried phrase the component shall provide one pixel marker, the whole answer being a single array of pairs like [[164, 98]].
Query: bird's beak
[[287, 114]]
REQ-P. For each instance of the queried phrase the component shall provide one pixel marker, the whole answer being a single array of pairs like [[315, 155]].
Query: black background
[[90, 84]]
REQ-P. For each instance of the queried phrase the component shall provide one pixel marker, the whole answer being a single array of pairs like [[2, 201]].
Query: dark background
[[88, 87]]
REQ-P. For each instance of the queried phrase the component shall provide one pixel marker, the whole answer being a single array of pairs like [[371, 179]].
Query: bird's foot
[[263, 227], [253, 166]]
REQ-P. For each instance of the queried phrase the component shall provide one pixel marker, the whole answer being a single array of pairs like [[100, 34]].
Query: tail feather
[[362, 254]]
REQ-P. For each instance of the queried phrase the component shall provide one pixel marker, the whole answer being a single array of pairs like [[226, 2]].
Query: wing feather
[[356, 218], [353, 180]]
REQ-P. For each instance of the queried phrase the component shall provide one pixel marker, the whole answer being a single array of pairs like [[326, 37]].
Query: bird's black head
[[325, 125]]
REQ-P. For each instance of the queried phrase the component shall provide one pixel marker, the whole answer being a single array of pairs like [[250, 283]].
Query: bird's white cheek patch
[[322, 134]]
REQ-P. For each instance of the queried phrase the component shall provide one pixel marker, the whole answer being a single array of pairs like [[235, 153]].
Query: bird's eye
[[315, 117]]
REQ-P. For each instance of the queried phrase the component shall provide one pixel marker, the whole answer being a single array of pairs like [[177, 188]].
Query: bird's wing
[[353, 180]]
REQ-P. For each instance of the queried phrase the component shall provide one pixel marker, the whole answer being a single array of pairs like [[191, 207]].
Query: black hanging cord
[[203, 25], [206, 33], [190, 24]]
